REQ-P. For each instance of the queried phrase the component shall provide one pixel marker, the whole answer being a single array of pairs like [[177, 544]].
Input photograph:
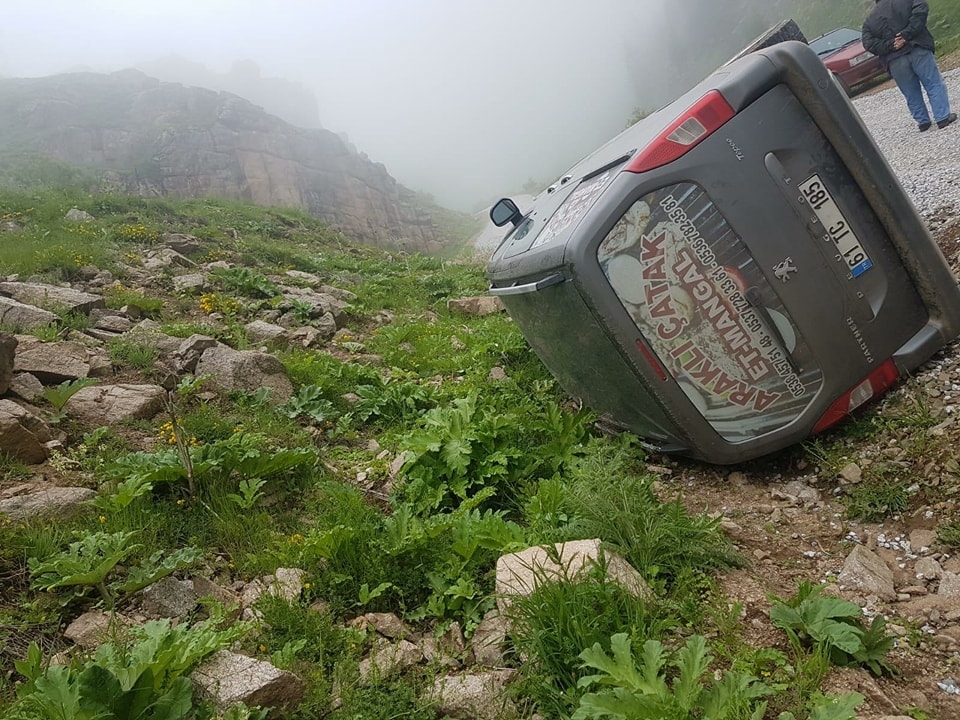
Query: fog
[[463, 99]]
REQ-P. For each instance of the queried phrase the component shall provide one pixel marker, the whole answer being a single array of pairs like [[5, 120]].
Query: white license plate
[[835, 226]]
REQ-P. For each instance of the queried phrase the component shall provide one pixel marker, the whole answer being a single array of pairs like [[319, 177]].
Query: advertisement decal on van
[[699, 299]]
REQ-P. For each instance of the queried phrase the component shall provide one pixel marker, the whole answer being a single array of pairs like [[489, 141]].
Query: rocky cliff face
[[165, 139]]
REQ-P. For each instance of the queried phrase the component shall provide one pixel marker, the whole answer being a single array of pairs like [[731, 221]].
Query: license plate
[[835, 225]]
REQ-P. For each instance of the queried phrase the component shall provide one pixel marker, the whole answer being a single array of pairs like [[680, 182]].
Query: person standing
[[896, 31]]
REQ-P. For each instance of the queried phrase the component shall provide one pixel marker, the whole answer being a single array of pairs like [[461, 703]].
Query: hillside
[[139, 136]]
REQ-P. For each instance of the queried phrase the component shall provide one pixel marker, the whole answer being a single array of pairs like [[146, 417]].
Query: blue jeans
[[917, 69]]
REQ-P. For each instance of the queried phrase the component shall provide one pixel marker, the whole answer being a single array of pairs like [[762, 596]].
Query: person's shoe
[[924, 126], [946, 121]]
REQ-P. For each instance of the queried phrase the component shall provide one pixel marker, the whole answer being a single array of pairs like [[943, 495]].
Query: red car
[[844, 55]]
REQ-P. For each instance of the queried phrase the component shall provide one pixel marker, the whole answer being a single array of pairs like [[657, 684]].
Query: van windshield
[[706, 309]]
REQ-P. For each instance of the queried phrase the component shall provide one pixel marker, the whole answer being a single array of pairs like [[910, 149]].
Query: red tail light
[[873, 385], [689, 130]]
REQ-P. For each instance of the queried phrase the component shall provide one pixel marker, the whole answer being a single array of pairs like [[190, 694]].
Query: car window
[[684, 276], [834, 41]]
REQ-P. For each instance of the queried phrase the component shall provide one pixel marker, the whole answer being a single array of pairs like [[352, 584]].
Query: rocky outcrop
[[165, 139]]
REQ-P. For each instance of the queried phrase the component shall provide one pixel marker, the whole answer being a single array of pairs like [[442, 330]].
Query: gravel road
[[928, 164]]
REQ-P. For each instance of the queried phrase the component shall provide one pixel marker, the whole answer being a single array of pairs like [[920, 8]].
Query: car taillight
[[689, 130], [874, 384]]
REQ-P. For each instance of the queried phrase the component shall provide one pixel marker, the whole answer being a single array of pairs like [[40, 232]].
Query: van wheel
[[781, 32]]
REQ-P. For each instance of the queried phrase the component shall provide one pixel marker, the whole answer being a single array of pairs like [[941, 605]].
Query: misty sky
[[465, 99]]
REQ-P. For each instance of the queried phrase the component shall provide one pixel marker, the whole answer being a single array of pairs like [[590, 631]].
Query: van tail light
[[704, 117], [873, 385]]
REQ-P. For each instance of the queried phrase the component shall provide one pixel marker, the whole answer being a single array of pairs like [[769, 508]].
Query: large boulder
[[864, 571], [46, 501], [53, 363], [8, 348], [245, 370], [107, 404], [23, 435], [52, 296], [18, 315], [227, 678], [476, 696]]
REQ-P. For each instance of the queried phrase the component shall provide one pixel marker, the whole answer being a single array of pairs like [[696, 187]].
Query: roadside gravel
[[928, 164]]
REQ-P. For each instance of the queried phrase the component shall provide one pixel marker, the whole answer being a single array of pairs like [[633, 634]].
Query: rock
[[497, 374], [339, 293], [53, 363], [488, 639], [52, 296], [189, 283], [949, 585], [520, 573], [927, 569], [866, 572], [114, 323], [154, 260], [108, 404], [477, 306], [303, 277], [17, 315], [852, 473], [23, 435], [922, 538], [227, 678], [76, 215], [188, 354], [26, 386], [246, 370], [169, 598], [8, 348], [796, 492], [261, 332], [206, 588], [182, 243], [388, 624], [479, 696], [306, 337], [94, 628], [287, 583], [51, 501], [388, 659]]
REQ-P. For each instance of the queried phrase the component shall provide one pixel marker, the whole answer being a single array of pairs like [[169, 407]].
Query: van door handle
[[546, 282]]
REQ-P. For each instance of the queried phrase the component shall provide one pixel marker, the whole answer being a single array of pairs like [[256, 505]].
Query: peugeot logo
[[784, 270]]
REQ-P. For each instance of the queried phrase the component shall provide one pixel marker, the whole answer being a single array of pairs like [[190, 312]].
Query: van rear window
[[706, 309]]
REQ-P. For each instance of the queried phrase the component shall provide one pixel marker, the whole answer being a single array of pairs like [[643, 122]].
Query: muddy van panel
[[736, 280]]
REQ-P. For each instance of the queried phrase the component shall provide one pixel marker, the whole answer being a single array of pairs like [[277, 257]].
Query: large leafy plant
[[835, 627]]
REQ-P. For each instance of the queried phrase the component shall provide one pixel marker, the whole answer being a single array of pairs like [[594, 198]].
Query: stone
[[259, 331], [94, 628], [8, 349], [205, 588], [520, 573], [339, 293], [496, 374], [488, 639], [23, 435], [26, 386], [53, 363], [303, 277], [182, 243], [50, 501], [246, 370], [108, 404], [388, 659], [864, 571], [17, 315], [306, 337], [52, 296], [852, 473], [927, 568], [169, 598], [227, 678], [388, 624], [76, 215], [922, 538], [162, 258], [114, 323], [477, 696], [949, 585], [287, 583], [476, 306], [188, 353], [192, 282]]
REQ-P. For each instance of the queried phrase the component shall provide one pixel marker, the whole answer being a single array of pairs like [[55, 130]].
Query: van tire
[[781, 32]]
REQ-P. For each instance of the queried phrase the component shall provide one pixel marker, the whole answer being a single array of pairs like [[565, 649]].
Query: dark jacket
[[890, 17]]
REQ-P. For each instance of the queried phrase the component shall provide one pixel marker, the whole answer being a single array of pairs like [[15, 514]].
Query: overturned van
[[733, 273]]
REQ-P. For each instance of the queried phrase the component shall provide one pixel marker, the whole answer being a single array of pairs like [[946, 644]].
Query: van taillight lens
[[873, 385], [689, 130]]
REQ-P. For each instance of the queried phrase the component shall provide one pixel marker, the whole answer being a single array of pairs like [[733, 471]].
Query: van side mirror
[[505, 211]]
